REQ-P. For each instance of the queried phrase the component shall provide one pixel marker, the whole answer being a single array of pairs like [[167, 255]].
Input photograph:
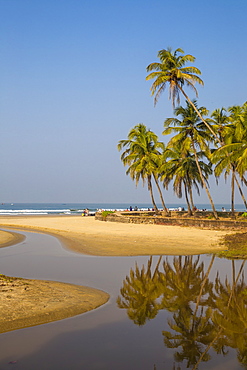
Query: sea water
[[77, 208]]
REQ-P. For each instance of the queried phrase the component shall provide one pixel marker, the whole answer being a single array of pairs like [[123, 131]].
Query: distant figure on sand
[[130, 208], [223, 209]]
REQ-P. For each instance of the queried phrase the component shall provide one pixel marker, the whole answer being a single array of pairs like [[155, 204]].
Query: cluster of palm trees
[[205, 315], [201, 144]]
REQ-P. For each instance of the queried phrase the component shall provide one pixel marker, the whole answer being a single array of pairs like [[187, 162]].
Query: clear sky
[[73, 85]]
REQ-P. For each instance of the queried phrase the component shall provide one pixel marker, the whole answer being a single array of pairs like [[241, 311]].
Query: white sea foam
[[32, 211]]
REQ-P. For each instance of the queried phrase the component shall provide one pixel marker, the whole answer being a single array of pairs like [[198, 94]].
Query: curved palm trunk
[[161, 195], [241, 192], [150, 188], [199, 114], [187, 199], [204, 182]]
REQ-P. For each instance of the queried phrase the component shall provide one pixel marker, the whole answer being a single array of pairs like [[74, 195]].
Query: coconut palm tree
[[238, 118], [226, 164], [180, 166], [171, 70], [219, 120], [142, 156], [231, 157], [190, 135]]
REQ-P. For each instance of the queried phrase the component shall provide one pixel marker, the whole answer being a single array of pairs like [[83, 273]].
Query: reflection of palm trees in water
[[191, 291], [230, 314], [205, 315], [140, 292]]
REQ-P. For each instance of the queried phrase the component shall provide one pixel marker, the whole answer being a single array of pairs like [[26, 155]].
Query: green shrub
[[105, 214], [244, 214]]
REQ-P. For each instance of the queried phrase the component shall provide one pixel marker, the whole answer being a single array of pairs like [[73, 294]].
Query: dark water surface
[[161, 295]]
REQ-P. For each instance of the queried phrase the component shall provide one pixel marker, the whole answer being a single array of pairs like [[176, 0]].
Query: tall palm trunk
[[204, 182], [232, 197], [241, 192], [191, 198], [244, 180], [187, 199], [219, 139], [150, 188], [161, 195]]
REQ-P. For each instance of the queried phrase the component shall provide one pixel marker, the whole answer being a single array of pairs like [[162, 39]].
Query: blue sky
[[73, 85]]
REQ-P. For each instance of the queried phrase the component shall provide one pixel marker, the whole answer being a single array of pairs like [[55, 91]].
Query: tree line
[[200, 144]]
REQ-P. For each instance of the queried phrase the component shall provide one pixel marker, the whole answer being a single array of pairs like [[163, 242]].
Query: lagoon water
[[107, 338]]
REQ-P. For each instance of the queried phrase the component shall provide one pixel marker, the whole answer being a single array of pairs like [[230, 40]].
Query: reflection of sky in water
[[102, 339]]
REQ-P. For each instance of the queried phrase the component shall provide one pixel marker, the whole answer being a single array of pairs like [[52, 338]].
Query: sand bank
[[25, 302], [89, 236], [7, 238]]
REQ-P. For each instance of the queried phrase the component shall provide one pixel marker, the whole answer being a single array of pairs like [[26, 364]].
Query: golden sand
[[88, 236]]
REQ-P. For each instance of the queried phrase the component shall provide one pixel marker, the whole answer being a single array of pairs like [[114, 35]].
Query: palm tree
[[231, 157], [171, 70], [142, 156], [191, 134], [180, 166], [219, 123], [238, 118], [225, 163]]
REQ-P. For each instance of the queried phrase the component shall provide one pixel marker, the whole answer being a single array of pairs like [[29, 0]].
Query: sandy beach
[[26, 303], [89, 236], [7, 238]]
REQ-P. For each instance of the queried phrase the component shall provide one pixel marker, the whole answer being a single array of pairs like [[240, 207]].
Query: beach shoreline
[[10, 238], [88, 236], [30, 302]]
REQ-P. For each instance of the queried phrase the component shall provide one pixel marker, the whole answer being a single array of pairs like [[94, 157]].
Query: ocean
[[77, 208]]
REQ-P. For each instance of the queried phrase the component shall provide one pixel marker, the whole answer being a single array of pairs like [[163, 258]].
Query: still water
[[165, 312]]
